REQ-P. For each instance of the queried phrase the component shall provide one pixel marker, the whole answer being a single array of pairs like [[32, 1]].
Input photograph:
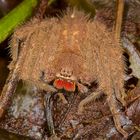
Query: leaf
[[134, 56], [17, 16], [133, 112]]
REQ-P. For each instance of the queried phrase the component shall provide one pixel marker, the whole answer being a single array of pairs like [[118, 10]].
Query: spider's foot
[[122, 131], [123, 124], [62, 97]]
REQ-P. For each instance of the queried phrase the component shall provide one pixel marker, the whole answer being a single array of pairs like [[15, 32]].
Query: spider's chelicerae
[[70, 52]]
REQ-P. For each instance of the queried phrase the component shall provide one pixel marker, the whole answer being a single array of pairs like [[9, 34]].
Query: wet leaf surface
[[26, 113]]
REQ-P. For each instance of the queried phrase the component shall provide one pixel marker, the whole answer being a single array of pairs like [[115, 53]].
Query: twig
[[49, 118], [16, 17], [119, 17]]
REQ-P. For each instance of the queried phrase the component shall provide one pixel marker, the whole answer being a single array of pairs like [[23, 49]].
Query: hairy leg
[[43, 86], [7, 92], [117, 114], [11, 84], [93, 96], [121, 95]]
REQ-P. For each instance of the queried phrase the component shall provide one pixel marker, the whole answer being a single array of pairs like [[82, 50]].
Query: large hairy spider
[[68, 53]]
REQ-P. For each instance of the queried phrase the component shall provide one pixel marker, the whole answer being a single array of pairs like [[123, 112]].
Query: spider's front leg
[[92, 97], [44, 81], [8, 91], [84, 89]]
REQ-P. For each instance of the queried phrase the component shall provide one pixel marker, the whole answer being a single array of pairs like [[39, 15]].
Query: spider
[[68, 53]]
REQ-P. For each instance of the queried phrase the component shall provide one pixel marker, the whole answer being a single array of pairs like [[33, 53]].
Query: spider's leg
[[8, 91], [11, 83], [93, 96], [117, 115], [44, 86], [43, 83]]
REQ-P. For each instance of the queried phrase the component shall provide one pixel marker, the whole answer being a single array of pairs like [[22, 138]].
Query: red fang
[[64, 84]]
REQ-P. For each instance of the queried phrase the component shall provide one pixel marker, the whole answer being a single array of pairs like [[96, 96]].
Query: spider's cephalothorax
[[72, 51]]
